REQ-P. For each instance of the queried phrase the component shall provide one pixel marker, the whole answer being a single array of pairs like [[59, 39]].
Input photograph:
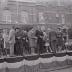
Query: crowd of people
[[37, 40]]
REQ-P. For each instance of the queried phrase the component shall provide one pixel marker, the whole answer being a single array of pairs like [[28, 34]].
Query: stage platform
[[36, 63]]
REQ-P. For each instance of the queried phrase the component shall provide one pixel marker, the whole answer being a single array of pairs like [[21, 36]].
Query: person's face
[[23, 31], [49, 29], [59, 29], [5, 31], [42, 28], [17, 30], [32, 30]]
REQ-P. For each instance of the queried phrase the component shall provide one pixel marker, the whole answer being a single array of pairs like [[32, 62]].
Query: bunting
[[35, 62]]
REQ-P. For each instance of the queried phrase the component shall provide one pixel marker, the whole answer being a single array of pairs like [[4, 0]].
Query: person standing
[[5, 38], [25, 42], [1, 44], [53, 40], [40, 42], [65, 37], [43, 30], [59, 39], [12, 40], [47, 44], [17, 48], [32, 40]]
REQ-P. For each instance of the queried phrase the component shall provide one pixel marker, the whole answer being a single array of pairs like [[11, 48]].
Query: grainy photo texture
[[35, 35]]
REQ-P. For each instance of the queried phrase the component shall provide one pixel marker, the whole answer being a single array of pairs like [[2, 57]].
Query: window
[[6, 16], [3, 3], [63, 19], [68, 18], [52, 18], [41, 18], [24, 17]]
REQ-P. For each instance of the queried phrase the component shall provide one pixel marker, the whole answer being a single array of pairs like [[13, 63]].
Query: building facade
[[15, 12]]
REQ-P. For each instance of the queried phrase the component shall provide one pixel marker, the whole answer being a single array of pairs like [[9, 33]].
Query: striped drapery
[[36, 63]]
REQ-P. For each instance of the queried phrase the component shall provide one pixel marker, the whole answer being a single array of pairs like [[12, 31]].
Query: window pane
[[41, 18], [6, 17], [24, 17]]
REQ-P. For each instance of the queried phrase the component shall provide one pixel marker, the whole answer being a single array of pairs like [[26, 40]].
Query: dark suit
[[40, 41], [18, 44], [25, 43]]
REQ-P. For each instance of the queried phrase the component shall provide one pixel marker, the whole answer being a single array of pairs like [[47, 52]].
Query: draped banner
[[36, 63]]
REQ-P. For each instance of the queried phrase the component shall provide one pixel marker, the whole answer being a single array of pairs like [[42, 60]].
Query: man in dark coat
[[1, 45], [40, 41], [25, 42], [17, 47]]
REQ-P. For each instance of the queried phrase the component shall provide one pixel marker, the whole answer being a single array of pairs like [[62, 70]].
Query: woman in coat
[[32, 40]]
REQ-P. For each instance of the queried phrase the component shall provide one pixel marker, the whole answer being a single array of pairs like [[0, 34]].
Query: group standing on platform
[[37, 40]]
